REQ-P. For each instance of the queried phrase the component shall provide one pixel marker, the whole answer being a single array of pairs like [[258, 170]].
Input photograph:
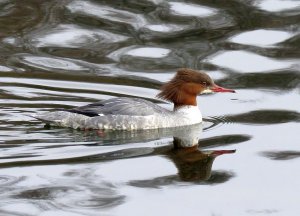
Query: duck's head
[[184, 87]]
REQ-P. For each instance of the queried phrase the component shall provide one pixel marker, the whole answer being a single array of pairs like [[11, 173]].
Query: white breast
[[189, 115]]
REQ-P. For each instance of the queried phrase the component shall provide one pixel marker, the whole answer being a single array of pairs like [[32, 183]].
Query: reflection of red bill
[[221, 152]]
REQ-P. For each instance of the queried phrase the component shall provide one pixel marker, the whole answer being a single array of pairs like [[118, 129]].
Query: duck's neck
[[185, 107], [185, 101], [180, 93]]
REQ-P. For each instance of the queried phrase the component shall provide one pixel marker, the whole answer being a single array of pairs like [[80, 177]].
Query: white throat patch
[[190, 113]]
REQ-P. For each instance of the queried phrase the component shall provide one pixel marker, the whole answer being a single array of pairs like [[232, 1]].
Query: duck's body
[[137, 114], [123, 114]]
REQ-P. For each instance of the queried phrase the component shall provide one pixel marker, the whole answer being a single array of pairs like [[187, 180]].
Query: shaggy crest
[[172, 90]]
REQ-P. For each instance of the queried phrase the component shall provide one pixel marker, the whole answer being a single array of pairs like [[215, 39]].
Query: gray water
[[64, 53]]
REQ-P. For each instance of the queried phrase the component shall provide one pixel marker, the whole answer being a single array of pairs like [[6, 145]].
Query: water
[[60, 54]]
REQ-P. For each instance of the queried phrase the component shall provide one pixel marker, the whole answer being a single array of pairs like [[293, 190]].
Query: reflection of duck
[[193, 164], [136, 113]]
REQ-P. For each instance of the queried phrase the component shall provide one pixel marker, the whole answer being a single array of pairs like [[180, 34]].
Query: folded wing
[[119, 106]]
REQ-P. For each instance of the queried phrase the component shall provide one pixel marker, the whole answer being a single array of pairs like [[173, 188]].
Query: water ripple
[[6, 180], [60, 54], [107, 14]]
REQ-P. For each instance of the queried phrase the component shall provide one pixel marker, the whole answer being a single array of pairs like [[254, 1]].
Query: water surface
[[61, 54]]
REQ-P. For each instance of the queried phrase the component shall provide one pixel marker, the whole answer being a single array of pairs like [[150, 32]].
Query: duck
[[128, 113]]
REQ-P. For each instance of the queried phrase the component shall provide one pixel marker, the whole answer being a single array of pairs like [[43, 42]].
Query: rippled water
[[59, 54]]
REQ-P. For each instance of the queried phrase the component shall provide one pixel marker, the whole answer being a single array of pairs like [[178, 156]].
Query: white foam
[[59, 213], [185, 9], [156, 1], [216, 74], [162, 77], [164, 28], [5, 69], [50, 63], [149, 52], [75, 36], [107, 13], [9, 40], [18, 208], [278, 5], [261, 37], [243, 61]]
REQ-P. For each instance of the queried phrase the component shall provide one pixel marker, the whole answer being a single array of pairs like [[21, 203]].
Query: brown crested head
[[193, 76], [186, 85]]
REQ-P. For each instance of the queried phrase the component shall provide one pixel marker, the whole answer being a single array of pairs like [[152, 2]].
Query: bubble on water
[[149, 52], [278, 5], [73, 36], [51, 63], [244, 61], [261, 37], [184, 9], [5, 69]]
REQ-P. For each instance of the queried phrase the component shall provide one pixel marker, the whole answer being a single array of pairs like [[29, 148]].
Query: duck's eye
[[204, 83]]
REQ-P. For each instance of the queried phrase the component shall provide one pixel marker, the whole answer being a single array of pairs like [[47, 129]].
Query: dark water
[[58, 54]]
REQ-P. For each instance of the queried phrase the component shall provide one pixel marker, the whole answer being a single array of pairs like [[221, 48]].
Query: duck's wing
[[119, 106]]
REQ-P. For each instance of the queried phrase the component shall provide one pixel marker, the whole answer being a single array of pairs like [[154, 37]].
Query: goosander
[[138, 114]]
